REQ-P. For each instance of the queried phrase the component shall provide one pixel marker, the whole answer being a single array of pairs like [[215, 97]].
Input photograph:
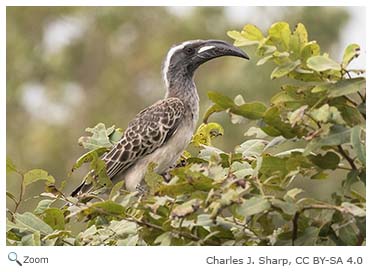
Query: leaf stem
[[22, 191]]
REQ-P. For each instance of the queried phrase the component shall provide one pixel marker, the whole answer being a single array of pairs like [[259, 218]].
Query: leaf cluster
[[312, 127]]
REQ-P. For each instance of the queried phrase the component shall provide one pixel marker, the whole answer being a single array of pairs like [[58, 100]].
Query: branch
[[347, 157], [295, 220]]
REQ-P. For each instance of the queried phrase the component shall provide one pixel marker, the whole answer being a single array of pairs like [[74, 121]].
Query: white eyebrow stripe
[[204, 48], [168, 59]]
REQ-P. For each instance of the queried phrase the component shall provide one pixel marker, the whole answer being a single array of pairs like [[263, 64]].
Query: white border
[[188, 258]]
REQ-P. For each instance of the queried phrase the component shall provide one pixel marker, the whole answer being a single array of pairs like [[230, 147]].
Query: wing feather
[[150, 129]]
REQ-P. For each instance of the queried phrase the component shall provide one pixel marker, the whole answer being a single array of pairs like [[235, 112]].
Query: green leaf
[[291, 194], [240, 40], [186, 208], [189, 182], [322, 63], [116, 135], [309, 50], [254, 205], [115, 191], [32, 223], [58, 234], [338, 135], [36, 175], [99, 137], [131, 240], [358, 146], [123, 228], [264, 49], [43, 205], [252, 33], [221, 100], [272, 118], [89, 157], [251, 111], [327, 114], [353, 209], [55, 218], [350, 114], [352, 51], [255, 132], [362, 108], [284, 69], [11, 167], [320, 88], [10, 225], [347, 86], [298, 39], [204, 220], [264, 60], [319, 175], [347, 233], [11, 196], [296, 116], [213, 109], [205, 133], [164, 239], [288, 208], [242, 170], [308, 237], [280, 32], [328, 161], [251, 148], [107, 207], [351, 178], [152, 179], [32, 239]]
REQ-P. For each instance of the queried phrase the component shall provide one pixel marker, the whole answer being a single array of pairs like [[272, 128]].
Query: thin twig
[[347, 157], [184, 234], [361, 97], [22, 190], [352, 102], [313, 119]]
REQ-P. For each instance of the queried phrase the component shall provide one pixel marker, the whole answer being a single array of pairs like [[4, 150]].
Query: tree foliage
[[314, 125]]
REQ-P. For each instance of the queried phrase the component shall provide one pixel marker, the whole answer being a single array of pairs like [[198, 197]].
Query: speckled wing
[[150, 129]]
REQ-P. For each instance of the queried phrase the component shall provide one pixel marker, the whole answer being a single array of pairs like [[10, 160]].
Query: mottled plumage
[[151, 128], [162, 131]]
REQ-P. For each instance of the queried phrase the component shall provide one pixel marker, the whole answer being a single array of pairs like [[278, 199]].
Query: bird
[[160, 133]]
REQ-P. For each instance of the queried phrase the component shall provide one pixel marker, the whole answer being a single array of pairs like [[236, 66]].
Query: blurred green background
[[69, 68]]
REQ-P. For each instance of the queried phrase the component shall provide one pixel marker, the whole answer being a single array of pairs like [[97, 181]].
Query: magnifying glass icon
[[12, 256]]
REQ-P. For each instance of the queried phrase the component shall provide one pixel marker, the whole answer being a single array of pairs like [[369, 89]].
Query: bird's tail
[[84, 187]]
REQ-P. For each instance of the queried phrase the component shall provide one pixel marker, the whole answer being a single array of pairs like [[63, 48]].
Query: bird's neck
[[184, 88]]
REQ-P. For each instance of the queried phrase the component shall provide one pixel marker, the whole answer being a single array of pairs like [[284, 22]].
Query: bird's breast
[[164, 156]]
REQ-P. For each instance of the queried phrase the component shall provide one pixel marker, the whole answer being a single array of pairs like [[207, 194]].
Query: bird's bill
[[216, 48]]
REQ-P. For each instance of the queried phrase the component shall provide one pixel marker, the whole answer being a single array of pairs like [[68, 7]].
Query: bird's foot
[[142, 189]]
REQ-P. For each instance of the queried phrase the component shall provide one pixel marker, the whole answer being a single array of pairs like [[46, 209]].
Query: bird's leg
[[142, 188], [181, 163], [166, 175]]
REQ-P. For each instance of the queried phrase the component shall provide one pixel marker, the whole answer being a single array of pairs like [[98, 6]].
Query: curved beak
[[216, 48]]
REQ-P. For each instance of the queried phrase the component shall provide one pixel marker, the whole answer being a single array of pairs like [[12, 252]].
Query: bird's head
[[183, 59]]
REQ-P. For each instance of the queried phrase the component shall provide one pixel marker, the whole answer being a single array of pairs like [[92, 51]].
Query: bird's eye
[[189, 50]]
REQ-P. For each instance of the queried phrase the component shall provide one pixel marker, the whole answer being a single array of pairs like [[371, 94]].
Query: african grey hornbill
[[162, 131]]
